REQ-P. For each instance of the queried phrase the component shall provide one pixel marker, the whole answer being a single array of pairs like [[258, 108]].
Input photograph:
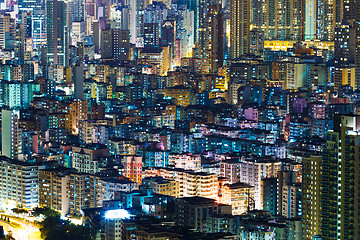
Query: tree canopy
[[19, 210], [45, 211], [55, 228]]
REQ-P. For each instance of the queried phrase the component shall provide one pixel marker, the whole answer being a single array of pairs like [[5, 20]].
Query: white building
[[191, 183], [19, 183], [106, 188], [250, 172], [115, 223], [87, 159], [187, 161]]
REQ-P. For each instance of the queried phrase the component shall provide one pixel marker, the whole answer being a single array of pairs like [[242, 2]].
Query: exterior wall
[[19, 183]]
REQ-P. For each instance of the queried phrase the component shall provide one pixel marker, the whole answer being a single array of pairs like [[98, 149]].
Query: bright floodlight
[[117, 214]]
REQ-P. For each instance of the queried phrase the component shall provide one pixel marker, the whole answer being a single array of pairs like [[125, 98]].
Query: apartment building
[[19, 183], [190, 183]]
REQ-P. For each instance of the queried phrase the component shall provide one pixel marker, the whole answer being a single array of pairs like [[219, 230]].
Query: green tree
[[79, 232], [51, 225], [19, 210], [54, 228], [46, 211]]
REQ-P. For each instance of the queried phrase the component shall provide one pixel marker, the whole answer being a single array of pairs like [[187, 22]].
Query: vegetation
[[45, 211], [55, 228], [19, 210]]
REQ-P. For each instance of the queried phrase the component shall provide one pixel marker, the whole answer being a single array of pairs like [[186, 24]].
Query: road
[[23, 232]]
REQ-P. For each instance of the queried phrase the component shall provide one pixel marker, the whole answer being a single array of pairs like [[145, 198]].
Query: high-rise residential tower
[[325, 19], [340, 180], [280, 20], [38, 28], [216, 39], [344, 47], [77, 10], [9, 134], [202, 25], [310, 16], [311, 196], [57, 32], [239, 27]]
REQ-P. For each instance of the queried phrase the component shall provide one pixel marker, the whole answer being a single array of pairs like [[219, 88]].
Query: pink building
[[318, 111], [133, 168], [251, 114]]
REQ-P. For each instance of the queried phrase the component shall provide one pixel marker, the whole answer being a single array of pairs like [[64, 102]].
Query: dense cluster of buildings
[[184, 119]]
